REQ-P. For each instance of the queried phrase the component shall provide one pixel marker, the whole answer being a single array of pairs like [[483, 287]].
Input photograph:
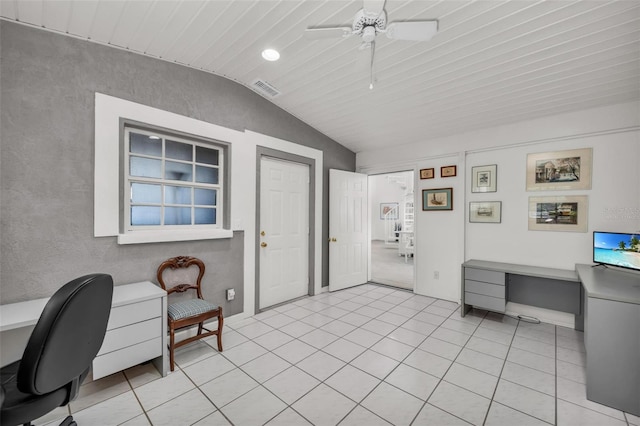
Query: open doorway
[[392, 229]]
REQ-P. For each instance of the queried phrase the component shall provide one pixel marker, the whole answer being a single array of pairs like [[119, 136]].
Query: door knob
[[333, 240], [263, 244], [263, 233]]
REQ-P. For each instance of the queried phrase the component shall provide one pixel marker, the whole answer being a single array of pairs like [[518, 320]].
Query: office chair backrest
[[68, 335]]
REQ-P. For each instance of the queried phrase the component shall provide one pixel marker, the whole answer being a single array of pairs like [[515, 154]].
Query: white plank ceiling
[[492, 62]]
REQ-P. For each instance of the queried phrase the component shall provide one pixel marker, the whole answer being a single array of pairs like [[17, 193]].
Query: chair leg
[[171, 342], [219, 336]]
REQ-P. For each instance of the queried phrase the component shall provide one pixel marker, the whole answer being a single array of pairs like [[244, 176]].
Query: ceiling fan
[[370, 21]]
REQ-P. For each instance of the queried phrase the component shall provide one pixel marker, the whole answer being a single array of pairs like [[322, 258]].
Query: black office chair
[[59, 352]]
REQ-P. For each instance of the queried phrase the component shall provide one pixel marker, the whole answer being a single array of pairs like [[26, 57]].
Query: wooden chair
[[187, 311]]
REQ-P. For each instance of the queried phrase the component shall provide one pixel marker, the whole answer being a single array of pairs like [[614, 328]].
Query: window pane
[[144, 193], [177, 195], [206, 197], [205, 216], [145, 167], [143, 215], [143, 144], [178, 171], [206, 155], [177, 216], [206, 174], [178, 151]]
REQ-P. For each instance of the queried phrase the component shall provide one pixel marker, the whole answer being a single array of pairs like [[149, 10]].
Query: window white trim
[[108, 112], [169, 235]]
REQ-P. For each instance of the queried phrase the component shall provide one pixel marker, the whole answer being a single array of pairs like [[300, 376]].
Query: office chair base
[[69, 422]]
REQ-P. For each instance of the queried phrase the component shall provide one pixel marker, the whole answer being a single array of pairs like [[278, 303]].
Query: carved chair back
[[180, 274]]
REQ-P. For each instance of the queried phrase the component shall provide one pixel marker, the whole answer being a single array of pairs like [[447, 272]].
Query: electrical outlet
[[231, 294], [436, 275]]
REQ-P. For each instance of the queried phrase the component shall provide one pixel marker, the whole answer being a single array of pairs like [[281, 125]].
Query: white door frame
[[282, 155]]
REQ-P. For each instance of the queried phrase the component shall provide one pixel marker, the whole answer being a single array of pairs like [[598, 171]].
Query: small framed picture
[[484, 178], [388, 210], [437, 199], [448, 171], [485, 211], [427, 173]]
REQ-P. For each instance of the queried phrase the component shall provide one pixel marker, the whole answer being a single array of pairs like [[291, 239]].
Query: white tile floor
[[369, 355]]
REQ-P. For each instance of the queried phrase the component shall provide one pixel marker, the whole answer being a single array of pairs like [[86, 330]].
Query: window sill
[[143, 237]]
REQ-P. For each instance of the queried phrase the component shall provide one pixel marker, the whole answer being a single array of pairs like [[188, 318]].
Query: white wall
[[439, 236], [444, 239], [614, 204]]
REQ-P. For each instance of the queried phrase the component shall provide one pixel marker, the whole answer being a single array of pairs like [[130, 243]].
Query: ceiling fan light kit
[[370, 21]]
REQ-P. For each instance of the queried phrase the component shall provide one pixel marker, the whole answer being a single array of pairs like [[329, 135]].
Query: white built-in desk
[[136, 332]]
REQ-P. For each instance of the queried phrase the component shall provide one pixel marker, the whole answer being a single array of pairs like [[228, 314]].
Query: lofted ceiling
[[492, 62]]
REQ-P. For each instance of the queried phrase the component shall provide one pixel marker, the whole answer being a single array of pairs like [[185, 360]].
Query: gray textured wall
[[47, 86]]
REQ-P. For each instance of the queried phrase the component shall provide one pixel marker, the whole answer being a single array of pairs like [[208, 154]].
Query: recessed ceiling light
[[270, 54]]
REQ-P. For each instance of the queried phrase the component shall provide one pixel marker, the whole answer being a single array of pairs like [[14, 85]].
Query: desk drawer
[[487, 302], [115, 361], [134, 312], [484, 275], [477, 287], [130, 335]]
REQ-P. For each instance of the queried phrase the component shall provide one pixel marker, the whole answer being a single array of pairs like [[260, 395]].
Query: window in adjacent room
[[172, 181]]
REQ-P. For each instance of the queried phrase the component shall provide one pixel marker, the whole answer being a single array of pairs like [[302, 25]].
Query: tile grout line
[[396, 326], [441, 379]]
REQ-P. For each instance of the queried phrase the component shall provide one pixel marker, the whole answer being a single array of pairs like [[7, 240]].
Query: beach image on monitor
[[617, 249]]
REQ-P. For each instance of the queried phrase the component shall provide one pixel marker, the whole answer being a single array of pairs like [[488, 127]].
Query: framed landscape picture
[[388, 210], [448, 171], [560, 170], [484, 178], [567, 213], [437, 199], [485, 211], [427, 173]]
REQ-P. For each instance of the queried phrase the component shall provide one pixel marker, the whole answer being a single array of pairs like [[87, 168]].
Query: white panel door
[[284, 231], [348, 224]]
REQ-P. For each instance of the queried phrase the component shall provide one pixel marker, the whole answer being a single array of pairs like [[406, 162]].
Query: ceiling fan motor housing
[[369, 25]]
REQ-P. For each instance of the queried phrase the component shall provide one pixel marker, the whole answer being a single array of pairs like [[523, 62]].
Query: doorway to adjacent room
[[392, 234]]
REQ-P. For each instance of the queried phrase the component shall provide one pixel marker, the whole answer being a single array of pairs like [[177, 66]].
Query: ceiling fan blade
[[373, 7], [315, 33], [415, 31]]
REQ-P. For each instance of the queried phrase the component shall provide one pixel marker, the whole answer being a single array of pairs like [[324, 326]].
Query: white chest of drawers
[[136, 331]]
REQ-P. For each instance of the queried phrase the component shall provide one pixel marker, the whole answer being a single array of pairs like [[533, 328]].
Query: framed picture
[[437, 199], [389, 211], [448, 171], [484, 178], [427, 173], [485, 211], [560, 170], [567, 213]]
